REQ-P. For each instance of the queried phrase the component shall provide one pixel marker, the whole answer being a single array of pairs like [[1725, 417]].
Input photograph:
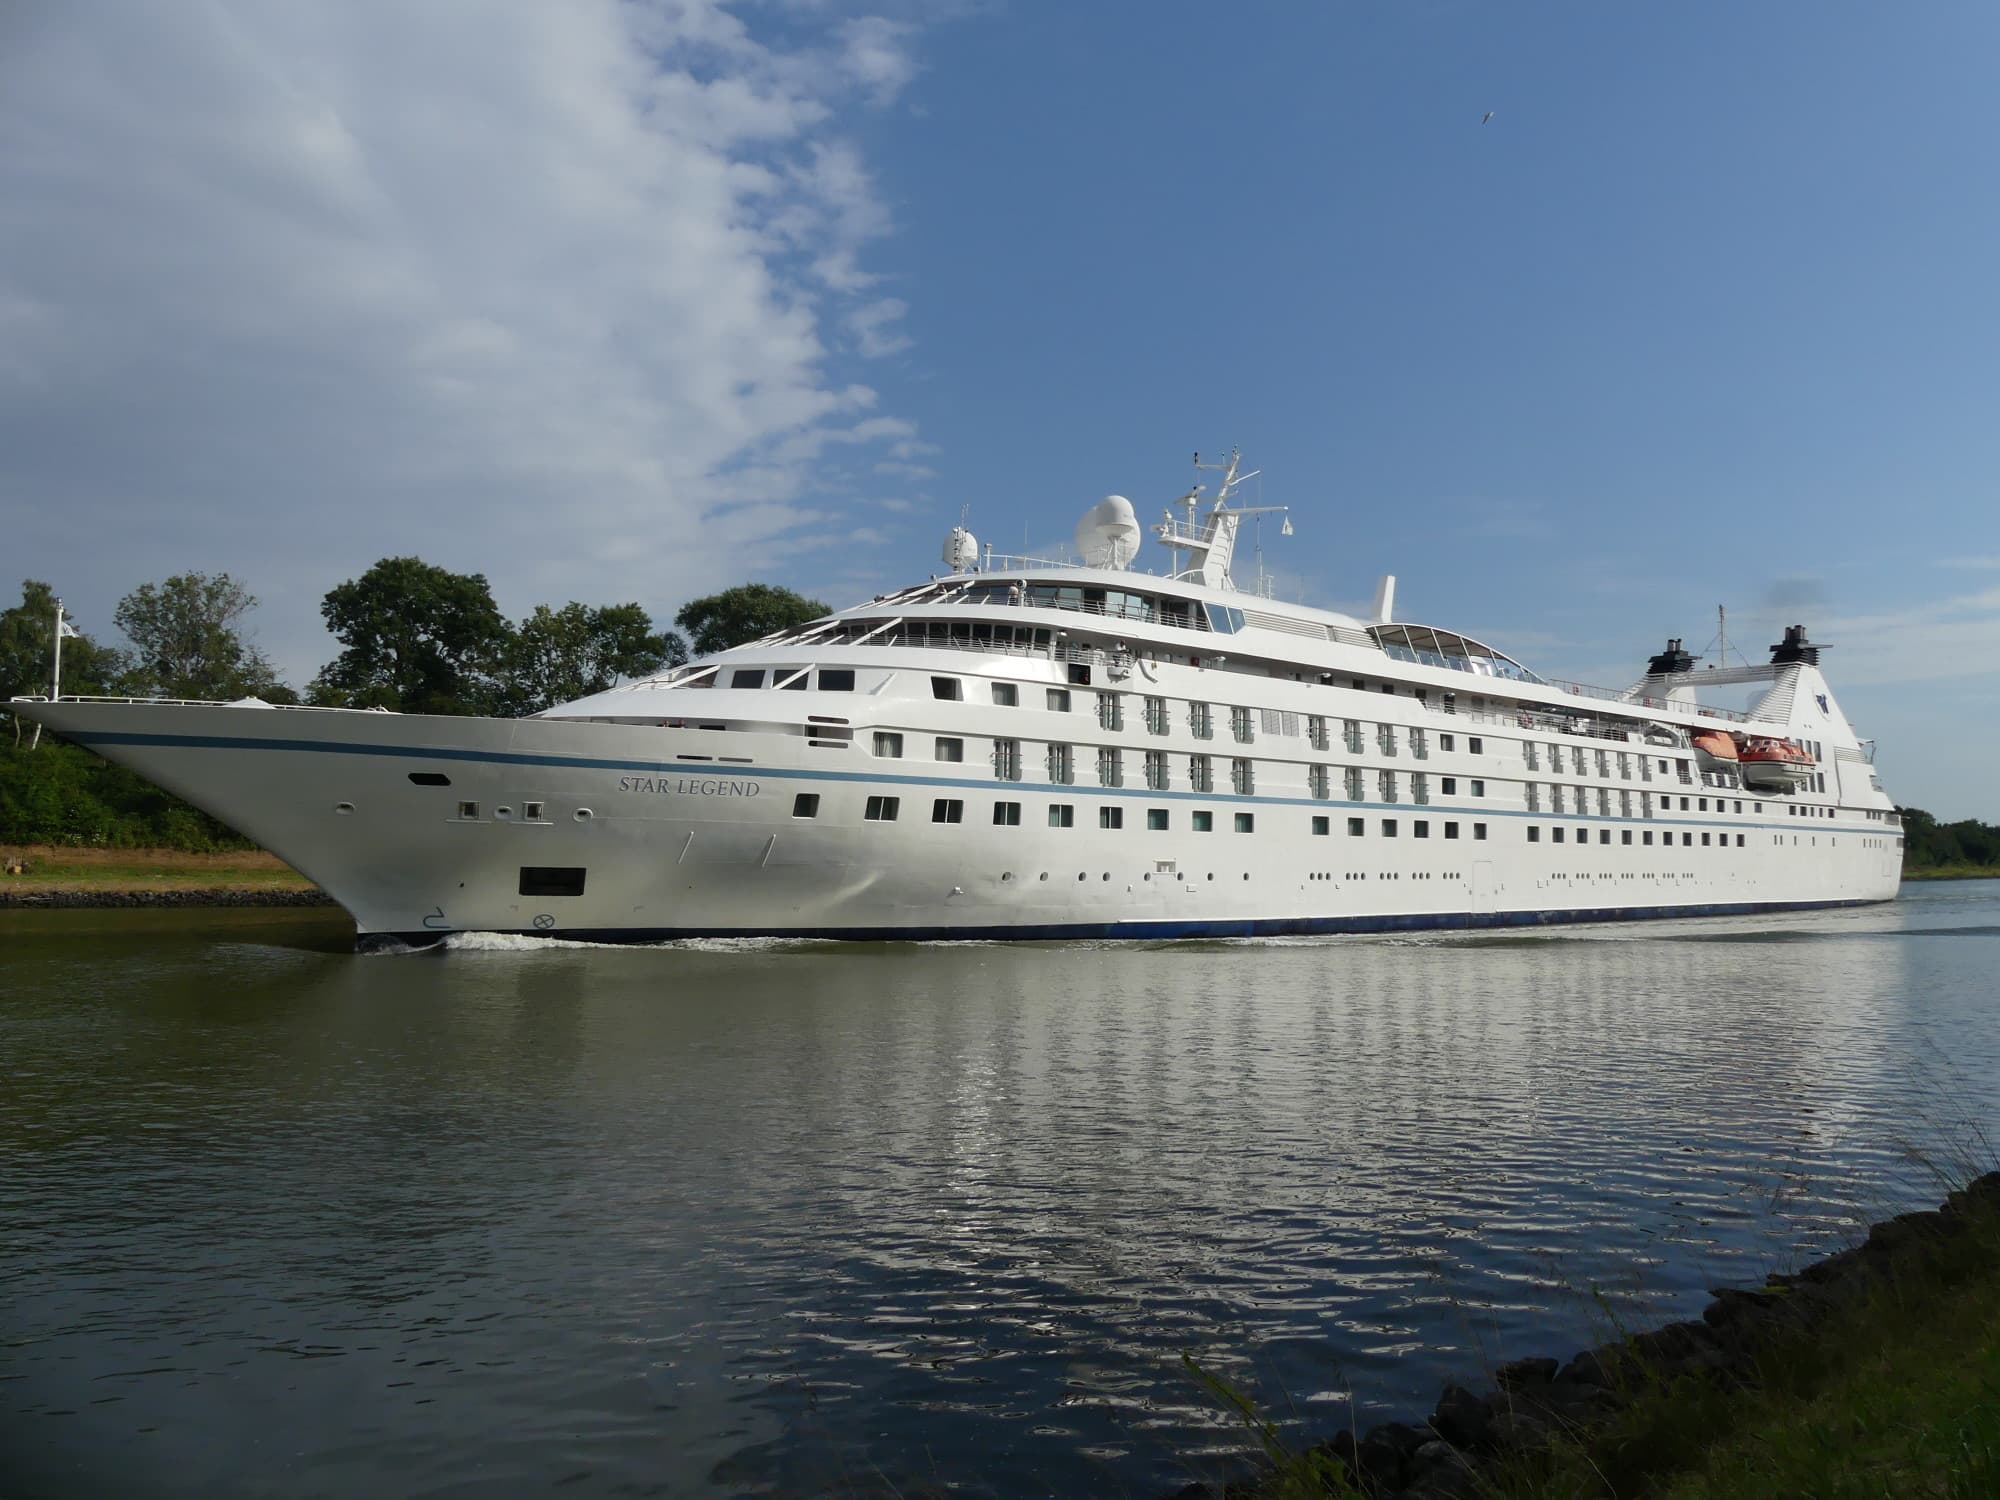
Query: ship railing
[[306, 708]]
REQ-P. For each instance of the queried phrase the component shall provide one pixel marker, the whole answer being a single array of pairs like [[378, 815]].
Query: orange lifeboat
[[1769, 762], [1716, 749]]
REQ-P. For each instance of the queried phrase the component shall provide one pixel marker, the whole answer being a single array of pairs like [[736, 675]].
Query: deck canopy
[[1447, 648]]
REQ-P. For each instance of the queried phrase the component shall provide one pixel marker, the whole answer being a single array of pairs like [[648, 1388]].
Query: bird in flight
[[1489, 118]]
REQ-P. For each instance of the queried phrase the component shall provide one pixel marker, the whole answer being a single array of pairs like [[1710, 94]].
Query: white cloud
[[537, 290]]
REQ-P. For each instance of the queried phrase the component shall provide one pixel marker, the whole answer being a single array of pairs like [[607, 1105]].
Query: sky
[[629, 299]]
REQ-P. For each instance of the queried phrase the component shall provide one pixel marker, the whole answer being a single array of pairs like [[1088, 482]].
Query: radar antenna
[[1209, 539]]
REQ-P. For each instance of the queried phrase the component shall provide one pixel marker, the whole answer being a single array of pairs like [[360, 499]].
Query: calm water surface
[[809, 1219]]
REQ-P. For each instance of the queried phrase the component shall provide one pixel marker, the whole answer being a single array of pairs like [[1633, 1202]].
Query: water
[[811, 1219]]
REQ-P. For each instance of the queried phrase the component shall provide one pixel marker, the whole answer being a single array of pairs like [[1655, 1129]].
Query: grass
[[1898, 1394], [105, 870], [1953, 872], [1894, 1390]]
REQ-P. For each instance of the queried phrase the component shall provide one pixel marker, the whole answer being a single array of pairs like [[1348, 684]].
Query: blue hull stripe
[[1237, 928], [1459, 808]]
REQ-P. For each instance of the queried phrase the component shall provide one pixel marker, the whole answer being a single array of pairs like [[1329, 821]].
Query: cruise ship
[[1024, 749]]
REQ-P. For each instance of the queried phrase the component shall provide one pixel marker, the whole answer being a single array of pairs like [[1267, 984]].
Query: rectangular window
[[1534, 835], [1156, 716], [805, 805], [1478, 831], [1111, 817], [1687, 840], [1624, 835], [1061, 765], [1448, 786], [1478, 787], [1704, 841], [1201, 721], [1006, 695], [1079, 674], [1201, 776], [1356, 827], [1061, 815], [1316, 731], [1388, 828], [1246, 822], [882, 809], [1316, 782], [1447, 742], [1204, 822], [1242, 776], [1007, 760], [1322, 826], [1111, 711], [1240, 726], [1421, 828], [1739, 841], [1451, 830], [1157, 820], [1156, 770], [1604, 835], [1556, 834], [1007, 814], [747, 677], [836, 680], [1058, 700], [1646, 837], [1110, 766], [950, 689], [550, 880], [888, 745], [468, 810], [950, 749], [947, 810], [1475, 745]]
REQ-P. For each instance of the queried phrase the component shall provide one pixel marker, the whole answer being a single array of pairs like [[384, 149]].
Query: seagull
[[1489, 118]]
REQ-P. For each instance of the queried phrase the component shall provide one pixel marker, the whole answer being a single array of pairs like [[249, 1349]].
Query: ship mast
[[1210, 540]]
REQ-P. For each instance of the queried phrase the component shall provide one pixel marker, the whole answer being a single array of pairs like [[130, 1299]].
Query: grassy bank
[[1875, 1372], [46, 868], [1954, 872]]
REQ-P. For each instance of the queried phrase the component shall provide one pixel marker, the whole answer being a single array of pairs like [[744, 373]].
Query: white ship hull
[[667, 846]]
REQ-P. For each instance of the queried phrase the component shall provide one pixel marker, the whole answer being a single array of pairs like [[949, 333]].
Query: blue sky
[[619, 302]]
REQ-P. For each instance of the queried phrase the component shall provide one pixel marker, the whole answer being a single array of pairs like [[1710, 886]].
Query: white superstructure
[[1034, 750]]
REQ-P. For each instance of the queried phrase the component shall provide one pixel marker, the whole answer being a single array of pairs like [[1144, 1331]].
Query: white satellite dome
[[961, 550], [1108, 534]]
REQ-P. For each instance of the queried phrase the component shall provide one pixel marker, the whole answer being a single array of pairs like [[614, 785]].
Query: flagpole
[[55, 672]]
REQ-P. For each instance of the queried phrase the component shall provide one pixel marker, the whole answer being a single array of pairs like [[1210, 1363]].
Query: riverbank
[[42, 876], [1875, 1371], [1954, 872]]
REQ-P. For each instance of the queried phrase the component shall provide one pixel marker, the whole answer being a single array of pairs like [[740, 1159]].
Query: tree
[[563, 654], [187, 642], [418, 638], [26, 633], [719, 621]]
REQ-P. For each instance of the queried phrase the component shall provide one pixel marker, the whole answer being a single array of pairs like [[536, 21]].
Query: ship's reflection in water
[[808, 1219]]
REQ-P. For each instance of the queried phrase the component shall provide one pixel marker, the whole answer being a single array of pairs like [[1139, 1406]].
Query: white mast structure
[[1210, 541]]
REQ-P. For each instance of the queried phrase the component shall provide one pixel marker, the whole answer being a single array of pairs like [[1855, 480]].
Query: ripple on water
[[788, 1217]]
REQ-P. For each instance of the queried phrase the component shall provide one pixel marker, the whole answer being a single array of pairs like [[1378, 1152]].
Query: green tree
[[418, 638], [187, 642], [26, 633], [563, 654], [719, 621]]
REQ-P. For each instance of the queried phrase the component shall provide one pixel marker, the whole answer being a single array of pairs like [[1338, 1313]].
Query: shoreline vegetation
[[1874, 1371]]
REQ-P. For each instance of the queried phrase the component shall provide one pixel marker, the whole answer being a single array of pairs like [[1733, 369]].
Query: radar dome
[[1108, 534], [961, 550]]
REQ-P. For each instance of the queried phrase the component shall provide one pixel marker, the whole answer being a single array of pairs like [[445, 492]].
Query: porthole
[[1006, 875], [1045, 875], [343, 808], [1107, 874], [1080, 875], [582, 815], [503, 812], [1211, 877]]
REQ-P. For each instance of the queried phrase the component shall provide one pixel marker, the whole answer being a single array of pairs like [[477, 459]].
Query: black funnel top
[[1673, 659], [1795, 648]]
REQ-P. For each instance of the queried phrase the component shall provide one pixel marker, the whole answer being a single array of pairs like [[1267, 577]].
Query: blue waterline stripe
[[1063, 789], [1217, 928]]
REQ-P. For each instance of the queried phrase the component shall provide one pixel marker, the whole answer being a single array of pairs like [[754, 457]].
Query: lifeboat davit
[[1766, 762], [1715, 750]]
